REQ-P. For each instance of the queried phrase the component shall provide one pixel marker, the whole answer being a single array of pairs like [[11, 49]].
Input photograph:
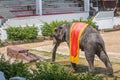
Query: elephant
[[91, 43]]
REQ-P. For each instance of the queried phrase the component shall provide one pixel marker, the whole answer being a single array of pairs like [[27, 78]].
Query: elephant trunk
[[54, 52]]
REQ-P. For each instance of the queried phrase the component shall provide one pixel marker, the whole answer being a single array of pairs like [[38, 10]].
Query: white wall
[[116, 21], [104, 19], [107, 22], [39, 21], [104, 23], [0, 21], [3, 35]]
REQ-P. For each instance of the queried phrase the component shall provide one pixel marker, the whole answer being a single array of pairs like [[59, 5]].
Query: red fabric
[[75, 38]]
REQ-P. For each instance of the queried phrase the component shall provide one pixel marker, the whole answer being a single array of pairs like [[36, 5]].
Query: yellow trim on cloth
[[75, 35]]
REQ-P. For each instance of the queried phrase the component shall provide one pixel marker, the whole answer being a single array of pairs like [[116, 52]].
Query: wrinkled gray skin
[[91, 43]]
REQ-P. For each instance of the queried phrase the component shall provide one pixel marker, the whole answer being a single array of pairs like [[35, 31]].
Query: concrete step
[[5, 13]]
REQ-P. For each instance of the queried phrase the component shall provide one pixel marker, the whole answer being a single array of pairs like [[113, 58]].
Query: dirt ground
[[112, 43], [111, 39]]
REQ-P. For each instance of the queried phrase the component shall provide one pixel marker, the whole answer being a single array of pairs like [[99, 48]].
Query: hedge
[[22, 33]]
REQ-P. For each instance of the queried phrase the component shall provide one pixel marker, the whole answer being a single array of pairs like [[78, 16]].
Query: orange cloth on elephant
[[75, 34]]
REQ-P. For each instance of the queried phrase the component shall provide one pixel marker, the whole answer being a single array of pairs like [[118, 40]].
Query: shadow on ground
[[83, 68], [98, 71]]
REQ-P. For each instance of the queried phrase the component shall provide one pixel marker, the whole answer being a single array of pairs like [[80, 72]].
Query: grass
[[44, 53], [115, 63], [64, 60], [82, 66]]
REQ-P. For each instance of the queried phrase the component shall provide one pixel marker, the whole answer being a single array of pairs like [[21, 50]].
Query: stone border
[[6, 43]]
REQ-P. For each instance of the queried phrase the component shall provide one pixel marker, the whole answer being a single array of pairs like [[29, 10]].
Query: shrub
[[88, 76], [14, 69], [47, 29], [42, 71], [22, 33], [88, 21], [1, 44], [47, 71]]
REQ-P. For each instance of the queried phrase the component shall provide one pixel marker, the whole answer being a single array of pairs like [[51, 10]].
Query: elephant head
[[59, 34]]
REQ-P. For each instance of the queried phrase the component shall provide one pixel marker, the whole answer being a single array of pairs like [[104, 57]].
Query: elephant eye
[[55, 29]]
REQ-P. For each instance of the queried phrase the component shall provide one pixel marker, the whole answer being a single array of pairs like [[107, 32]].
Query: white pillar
[[3, 34], [87, 5], [0, 22], [39, 7]]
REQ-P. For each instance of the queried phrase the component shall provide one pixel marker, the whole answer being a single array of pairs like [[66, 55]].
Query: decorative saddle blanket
[[75, 33]]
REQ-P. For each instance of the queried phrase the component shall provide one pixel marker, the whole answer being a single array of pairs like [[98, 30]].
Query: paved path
[[63, 49]]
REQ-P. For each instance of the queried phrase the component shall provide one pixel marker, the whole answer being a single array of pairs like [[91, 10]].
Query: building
[[108, 4], [22, 8], [29, 12], [27, 8]]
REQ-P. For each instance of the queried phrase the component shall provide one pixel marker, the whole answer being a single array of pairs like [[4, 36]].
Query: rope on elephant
[[75, 34]]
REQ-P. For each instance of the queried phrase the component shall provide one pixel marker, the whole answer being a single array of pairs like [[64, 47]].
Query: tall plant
[[41, 71], [14, 69], [22, 33], [48, 28], [88, 21]]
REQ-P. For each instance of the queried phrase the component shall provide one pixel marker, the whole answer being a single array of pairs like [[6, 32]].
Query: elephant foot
[[73, 70], [92, 72], [52, 62], [110, 73], [74, 67]]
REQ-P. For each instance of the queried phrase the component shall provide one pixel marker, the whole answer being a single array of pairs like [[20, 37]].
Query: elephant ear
[[59, 32]]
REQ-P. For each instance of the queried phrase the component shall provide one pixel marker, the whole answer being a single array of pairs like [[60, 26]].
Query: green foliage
[[80, 20], [14, 69], [87, 76], [1, 44], [118, 12], [48, 28], [42, 71], [22, 33], [88, 21], [47, 71]]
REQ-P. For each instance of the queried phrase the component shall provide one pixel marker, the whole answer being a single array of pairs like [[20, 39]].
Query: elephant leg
[[74, 67], [90, 59], [104, 58], [54, 52]]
